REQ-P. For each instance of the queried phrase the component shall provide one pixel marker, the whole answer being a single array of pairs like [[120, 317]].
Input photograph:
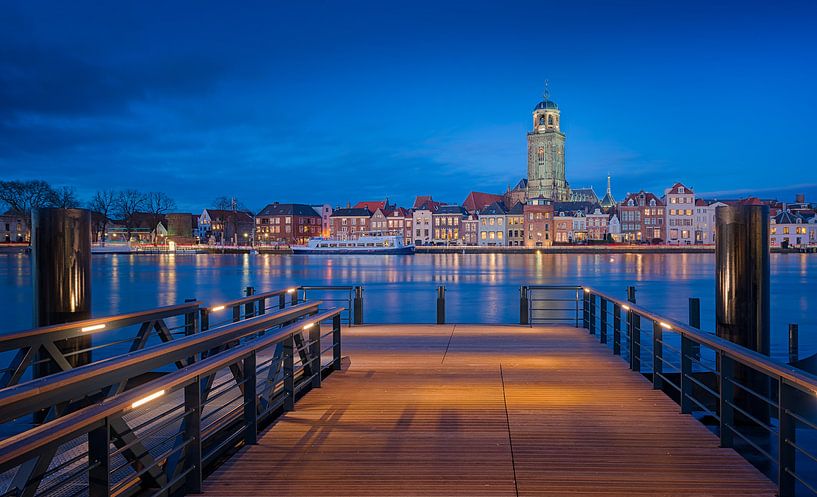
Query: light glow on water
[[480, 288]]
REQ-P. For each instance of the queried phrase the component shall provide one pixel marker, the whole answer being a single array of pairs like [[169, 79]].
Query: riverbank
[[556, 249]]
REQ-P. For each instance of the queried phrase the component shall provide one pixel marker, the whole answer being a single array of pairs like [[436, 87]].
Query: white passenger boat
[[365, 244]]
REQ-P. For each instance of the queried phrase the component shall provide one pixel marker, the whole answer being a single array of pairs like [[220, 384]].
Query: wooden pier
[[484, 410]]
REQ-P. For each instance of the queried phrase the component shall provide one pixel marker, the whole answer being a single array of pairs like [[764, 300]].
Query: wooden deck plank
[[485, 410]]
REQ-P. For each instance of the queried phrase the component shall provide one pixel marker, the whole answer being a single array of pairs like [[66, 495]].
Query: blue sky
[[343, 101]]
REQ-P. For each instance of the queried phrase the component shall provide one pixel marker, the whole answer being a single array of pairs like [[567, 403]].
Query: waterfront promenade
[[484, 410]]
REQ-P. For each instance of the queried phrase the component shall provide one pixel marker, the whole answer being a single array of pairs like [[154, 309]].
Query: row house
[[515, 222], [597, 222], [325, 211], [290, 224], [350, 223], [447, 224], [642, 217], [790, 229], [226, 227], [562, 227], [392, 221], [705, 221], [421, 219], [14, 228], [492, 229], [614, 229], [537, 222], [470, 230], [680, 215]]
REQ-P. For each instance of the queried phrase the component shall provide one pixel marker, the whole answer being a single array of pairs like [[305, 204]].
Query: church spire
[[546, 93], [608, 183]]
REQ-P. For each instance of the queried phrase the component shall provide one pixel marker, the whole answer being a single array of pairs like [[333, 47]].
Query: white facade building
[[705, 221], [421, 226], [493, 230], [614, 228], [680, 215], [789, 229]]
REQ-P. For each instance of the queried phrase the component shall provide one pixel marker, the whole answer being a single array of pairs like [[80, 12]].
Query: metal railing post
[[282, 301], [785, 449], [686, 374], [99, 461], [249, 307], [633, 333], [192, 460], [250, 400], [585, 309], [616, 329], [603, 320], [657, 355], [289, 374], [261, 306], [794, 343], [592, 299], [441, 304], [695, 322], [524, 317], [236, 313], [726, 398], [294, 299], [357, 305], [204, 319], [315, 354], [190, 320], [336, 348]]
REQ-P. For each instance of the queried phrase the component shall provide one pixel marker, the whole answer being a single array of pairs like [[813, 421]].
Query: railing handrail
[[27, 338], [24, 398], [254, 297], [794, 376], [554, 287], [17, 448], [325, 287]]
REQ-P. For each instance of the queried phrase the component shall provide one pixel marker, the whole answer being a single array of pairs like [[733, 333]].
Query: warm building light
[[665, 325], [217, 308], [625, 307], [145, 400], [308, 325], [93, 328]]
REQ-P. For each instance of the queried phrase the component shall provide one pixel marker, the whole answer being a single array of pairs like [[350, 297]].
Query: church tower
[[546, 154]]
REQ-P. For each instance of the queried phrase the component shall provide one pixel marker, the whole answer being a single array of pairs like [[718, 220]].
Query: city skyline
[[324, 104]]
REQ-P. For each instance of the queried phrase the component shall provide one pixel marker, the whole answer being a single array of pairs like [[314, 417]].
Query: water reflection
[[480, 287]]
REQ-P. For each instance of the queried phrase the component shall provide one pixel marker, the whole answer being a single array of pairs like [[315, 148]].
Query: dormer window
[[680, 189], [652, 203]]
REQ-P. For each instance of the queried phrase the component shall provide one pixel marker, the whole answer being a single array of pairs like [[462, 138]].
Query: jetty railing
[[550, 305], [39, 348], [766, 410], [348, 297], [156, 439]]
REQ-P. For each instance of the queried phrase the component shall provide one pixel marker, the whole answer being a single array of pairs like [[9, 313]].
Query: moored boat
[[364, 244]]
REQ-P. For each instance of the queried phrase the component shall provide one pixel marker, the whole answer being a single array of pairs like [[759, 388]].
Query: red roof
[[426, 200], [477, 200], [371, 205], [676, 186]]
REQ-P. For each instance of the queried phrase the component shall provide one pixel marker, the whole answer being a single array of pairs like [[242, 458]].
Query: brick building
[[447, 224], [350, 222], [538, 221], [642, 217], [291, 224]]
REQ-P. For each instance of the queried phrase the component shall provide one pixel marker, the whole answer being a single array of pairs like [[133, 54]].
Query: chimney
[[800, 198]]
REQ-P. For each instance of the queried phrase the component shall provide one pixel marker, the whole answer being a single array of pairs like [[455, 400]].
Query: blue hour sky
[[342, 101]]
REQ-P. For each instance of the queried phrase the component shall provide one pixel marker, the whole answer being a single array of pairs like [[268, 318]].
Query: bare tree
[[65, 197], [103, 204], [159, 204], [229, 204], [24, 196], [127, 204]]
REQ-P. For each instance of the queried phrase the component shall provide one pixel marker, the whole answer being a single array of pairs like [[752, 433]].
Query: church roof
[[608, 200], [476, 201], [546, 104]]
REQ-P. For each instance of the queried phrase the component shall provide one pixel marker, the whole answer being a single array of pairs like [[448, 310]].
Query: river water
[[480, 288]]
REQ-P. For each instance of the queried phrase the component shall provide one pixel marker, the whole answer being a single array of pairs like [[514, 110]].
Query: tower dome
[[546, 105]]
